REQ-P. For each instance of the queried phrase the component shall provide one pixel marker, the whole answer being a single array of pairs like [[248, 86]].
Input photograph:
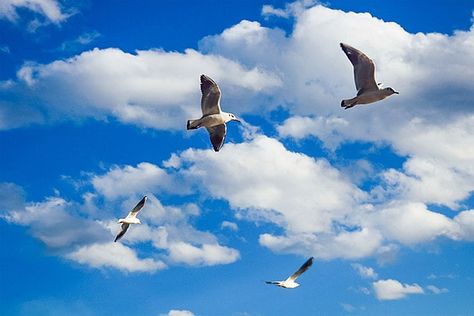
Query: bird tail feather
[[347, 104], [191, 124]]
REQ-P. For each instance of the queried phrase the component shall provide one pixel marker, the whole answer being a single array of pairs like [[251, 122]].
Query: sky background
[[94, 98]]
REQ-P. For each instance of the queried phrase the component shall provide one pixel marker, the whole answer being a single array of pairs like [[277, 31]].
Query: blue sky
[[94, 97]]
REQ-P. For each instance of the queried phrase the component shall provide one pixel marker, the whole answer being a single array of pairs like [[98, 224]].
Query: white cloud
[[229, 225], [263, 175], [291, 9], [119, 182], [50, 9], [436, 290], [176, 312], [54, 223], [83, 232], [365, 272], [393, 290], [114, 255], [151, 88], [465, 220], [207, 254]]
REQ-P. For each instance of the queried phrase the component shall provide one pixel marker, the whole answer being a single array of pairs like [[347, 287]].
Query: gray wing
[[302, 269], [211, 94], [364, 69], [217, 135], [122, 231], [137, 207]]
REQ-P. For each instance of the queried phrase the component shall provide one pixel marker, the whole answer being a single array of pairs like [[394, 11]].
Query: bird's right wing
[[211, 94], [217, 135], [302, 269], [364, 69], [122, 231]]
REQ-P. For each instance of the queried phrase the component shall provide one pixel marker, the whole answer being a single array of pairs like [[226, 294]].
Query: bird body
[[368, 90], [130, 219], [210, 120], [290, 282], [213, 118], [287, 284]]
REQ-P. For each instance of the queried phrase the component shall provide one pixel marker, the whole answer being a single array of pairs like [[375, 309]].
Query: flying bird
[[130, 219], [213, 118], [364, 75], [290, 282]]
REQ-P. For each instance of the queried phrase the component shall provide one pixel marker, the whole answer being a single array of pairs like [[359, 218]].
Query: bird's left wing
[[211, 95], [137, 208], [364, 69], [122, 231], [217, 135], [302, 269]]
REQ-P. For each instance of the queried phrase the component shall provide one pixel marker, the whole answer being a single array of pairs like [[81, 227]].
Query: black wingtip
[[188, 125]]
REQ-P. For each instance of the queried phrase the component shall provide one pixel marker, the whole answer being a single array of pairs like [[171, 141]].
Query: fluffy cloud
[[365, 272], [50, 9], [229, 225], [393, 290], [207, 254], [118, 182], [114, 255], [151, 88], [72, 231], [263, 175], [320, 211]]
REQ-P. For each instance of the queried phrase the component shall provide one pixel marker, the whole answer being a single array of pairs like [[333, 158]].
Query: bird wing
[[364, 69], [122, 231], [211, 94], [272, 282], [137, 208], [217, 135], [302, 269]]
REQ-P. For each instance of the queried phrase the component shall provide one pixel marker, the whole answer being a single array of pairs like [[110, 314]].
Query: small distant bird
[[290, 282], [130, 219], [364, 75], [213, 118]]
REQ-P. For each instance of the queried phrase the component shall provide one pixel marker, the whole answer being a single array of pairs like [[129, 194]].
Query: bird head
[[390, 91], [232, 117]]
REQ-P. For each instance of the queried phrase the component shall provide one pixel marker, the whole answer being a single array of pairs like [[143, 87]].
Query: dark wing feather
[[302, 269], [364, 69], [211, 94], [138, 207], [122, 231], [217, 135]]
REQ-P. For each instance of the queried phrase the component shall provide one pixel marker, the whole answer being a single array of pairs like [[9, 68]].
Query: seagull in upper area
[[290, 282], [130, 219], [213, 118], [364, 75]]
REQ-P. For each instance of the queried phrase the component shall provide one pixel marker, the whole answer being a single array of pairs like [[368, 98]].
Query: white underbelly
[[212, 120]]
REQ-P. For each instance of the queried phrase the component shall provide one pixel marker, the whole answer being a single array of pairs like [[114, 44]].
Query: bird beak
[[396, 92], [238, 120]]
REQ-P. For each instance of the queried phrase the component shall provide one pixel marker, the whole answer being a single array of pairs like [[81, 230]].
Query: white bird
[[213, 118], [364, 75], [130, 219], [290, 282]]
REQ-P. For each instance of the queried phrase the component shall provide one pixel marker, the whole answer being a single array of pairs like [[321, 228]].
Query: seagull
[[364, 75], [130, 219], [213, 118], [290, 282]]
